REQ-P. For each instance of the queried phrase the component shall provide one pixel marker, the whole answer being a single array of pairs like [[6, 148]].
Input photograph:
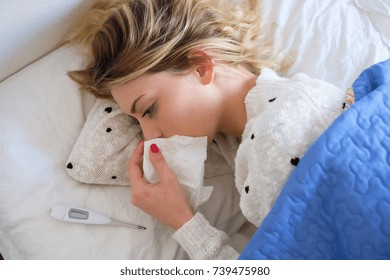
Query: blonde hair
[[125, 39]]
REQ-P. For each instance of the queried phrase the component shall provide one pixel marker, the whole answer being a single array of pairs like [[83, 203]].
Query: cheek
[[190, 119], [176, 114]]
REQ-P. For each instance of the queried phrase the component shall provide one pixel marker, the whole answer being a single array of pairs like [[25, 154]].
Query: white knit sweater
[[285, 116]]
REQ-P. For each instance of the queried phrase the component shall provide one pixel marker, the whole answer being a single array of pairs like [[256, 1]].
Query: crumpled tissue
[[186, 158]]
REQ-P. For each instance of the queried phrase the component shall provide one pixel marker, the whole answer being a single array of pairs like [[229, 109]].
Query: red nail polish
[[154, 148]]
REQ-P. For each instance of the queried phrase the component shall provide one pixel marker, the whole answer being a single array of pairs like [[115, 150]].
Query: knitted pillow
[[104, 146]]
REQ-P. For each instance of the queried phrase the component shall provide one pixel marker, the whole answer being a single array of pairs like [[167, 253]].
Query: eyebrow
[[134, 105]]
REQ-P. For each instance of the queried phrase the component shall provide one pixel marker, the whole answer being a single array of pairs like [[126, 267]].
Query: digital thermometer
[[78, 215]]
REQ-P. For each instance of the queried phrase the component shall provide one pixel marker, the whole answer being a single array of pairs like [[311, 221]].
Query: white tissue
[[185, 156]]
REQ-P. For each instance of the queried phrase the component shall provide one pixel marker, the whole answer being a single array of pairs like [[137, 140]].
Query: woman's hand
[[166, 200]]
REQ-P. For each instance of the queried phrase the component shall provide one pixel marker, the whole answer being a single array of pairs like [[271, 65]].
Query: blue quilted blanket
[[336, 203]]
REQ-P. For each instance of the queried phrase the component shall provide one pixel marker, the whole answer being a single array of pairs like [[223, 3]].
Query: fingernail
[[154, 148]]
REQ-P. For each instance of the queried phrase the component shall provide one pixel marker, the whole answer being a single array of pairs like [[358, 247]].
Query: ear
[[203, 66]]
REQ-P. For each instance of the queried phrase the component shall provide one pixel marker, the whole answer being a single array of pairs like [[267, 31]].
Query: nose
[[150, 130]]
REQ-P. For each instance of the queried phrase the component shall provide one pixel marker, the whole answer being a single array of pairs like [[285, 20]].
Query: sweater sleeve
[[202, 241]]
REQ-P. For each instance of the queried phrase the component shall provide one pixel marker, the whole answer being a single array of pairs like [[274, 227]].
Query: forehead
[[137, 83], [144, 82], [148, 84], [132, 89]]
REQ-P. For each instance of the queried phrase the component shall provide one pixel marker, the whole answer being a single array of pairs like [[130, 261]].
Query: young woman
[[200, 68]]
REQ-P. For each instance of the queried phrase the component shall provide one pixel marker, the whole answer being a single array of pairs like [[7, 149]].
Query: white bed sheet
[[42, 113], [331, 40]]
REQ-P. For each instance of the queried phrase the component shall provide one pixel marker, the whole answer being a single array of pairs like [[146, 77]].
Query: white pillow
[[104, 147]]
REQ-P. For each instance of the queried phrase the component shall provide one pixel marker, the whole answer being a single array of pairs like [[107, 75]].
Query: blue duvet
[[336, 203]]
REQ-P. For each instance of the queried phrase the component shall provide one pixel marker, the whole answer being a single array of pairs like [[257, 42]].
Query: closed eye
[[149, 111]]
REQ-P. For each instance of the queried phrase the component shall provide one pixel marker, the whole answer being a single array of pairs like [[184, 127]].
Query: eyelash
[[149, 111]]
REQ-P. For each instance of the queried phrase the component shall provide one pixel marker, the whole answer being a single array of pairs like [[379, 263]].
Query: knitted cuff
[[202, 241]]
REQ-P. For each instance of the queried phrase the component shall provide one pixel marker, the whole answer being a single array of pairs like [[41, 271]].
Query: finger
[[141, 166], [159, 163], [134, 170]]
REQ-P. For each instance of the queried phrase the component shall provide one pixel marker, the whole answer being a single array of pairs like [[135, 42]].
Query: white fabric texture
[[104, 146], [31, 30], [211, 243], [284, 117]]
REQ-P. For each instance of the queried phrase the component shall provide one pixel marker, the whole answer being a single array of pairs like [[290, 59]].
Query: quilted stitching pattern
[[336, 204]]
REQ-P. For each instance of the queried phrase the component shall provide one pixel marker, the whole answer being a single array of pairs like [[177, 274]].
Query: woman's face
[[167, 104]]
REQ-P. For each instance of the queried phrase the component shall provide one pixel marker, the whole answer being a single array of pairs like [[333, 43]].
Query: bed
[[42, 115]]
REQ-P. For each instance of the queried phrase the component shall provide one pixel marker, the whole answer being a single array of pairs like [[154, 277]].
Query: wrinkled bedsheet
[[336, 204]]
